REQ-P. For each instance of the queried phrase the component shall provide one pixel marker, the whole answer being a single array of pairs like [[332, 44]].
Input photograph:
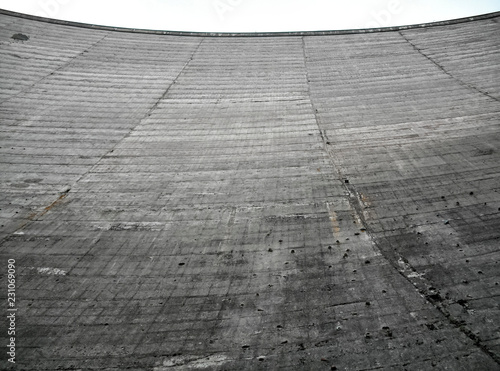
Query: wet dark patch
[[387, 331], [17, 56], [284, 218], [434, 297], [20, 37], [19, 185], [431, 326], [483, 152], [321, 343]]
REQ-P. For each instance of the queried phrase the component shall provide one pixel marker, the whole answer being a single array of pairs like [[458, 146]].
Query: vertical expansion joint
[[356, 206], [463, 83], [174, 81], [148, 113], [309, 95]]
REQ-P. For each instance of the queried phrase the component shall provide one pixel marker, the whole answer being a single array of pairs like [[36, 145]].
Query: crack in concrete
[[461, 82]]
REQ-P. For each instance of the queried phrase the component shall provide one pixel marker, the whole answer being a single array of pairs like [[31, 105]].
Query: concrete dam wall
[[316, 201]]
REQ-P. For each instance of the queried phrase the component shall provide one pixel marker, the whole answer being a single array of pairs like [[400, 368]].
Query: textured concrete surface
[[313, 202]]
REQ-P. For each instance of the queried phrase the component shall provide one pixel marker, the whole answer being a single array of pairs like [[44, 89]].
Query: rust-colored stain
[[365, 200], [35, 215], [31, 216], [47, 209], [333, 220]]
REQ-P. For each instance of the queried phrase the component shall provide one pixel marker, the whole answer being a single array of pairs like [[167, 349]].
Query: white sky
[[252, 15]]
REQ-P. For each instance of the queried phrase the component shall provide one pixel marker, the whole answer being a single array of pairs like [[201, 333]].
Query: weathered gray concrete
[[251, 203]]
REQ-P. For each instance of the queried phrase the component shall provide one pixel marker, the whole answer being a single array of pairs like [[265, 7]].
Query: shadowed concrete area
[[288, 202]]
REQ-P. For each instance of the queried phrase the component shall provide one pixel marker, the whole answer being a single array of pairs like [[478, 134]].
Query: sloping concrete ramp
[[309, 201]]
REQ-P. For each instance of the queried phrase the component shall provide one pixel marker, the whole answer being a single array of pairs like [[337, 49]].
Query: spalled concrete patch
[[50, 271], [192, 363]]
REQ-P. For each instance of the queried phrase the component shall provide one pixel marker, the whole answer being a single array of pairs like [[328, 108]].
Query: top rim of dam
[[250, 203], [253, 34]]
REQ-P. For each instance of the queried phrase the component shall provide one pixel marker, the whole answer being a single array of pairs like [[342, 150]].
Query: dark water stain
[[20, 37]]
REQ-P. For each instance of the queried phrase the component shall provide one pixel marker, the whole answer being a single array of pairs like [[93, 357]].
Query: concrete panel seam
[[409, 273], [398, 263], [148, 113], [72, 59], [463, 83]]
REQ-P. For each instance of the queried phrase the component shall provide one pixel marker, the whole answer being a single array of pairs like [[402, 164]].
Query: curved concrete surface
[[298, 202]]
